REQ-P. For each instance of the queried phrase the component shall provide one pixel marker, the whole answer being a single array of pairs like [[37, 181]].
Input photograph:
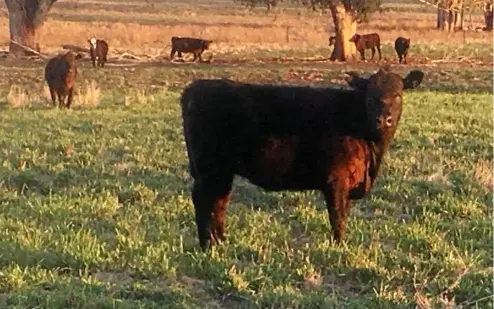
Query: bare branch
[[43, 56]]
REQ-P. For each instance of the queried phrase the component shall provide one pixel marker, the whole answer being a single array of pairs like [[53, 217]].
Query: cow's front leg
[[338, 204], [362, 55]]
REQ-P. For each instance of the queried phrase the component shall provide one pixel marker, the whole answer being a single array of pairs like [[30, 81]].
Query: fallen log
[[28, 49], [75, 48]]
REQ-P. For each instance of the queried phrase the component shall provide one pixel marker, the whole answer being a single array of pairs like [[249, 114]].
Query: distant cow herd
[[61, 71], [291, 138]]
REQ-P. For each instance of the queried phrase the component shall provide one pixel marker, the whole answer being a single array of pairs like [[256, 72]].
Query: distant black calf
[[189, 45], [332, 40], [401, 46], [98, 50], [370, 41]]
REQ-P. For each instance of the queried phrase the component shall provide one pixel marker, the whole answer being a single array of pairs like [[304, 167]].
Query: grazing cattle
[[189, 45], [60, 74], [288, 138], [98, 50], [401, 47], [370, 41]]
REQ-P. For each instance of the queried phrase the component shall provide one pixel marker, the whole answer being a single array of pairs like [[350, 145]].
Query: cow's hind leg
[[53, 95], [210, 194], [219, 213], [373, 50], [379, 51], [338, 205]]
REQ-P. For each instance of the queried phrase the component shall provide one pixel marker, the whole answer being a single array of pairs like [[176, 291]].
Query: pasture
[[95, 208]]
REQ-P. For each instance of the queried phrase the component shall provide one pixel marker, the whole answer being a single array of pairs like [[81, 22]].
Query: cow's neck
[[378, 151]]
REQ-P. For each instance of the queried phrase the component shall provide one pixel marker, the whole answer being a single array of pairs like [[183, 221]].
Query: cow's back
[[370, 40], [185, 44]]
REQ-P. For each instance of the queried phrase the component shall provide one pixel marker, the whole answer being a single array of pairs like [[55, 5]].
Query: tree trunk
[[441, 18], [22, 32], [450, 19], [488, 16], [25, 17], [462, 20], [345, 25]]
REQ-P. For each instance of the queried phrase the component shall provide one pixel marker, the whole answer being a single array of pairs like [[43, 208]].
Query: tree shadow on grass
[[14, 253], [43, 181]]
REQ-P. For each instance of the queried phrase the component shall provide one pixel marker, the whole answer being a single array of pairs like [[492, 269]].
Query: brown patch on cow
[[218, 218], [278, 153], [354, 163]]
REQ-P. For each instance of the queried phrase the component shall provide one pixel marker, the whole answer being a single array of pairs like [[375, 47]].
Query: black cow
[[288, 138], [189, 45], [370, 41], [401, 47]]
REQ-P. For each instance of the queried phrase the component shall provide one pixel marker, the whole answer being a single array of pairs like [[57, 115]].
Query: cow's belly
[[279, 164]]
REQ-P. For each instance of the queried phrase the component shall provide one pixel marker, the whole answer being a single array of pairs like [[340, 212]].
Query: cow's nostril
[[389, 121]]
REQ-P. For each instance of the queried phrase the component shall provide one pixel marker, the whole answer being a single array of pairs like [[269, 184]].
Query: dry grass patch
[[138, 97], [89, 97], [483, 173], [18, 97]]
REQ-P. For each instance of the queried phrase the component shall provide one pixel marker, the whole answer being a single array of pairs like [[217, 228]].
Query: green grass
[[95, 208]]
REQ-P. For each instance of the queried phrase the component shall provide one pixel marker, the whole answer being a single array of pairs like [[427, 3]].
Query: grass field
[[95, 208]]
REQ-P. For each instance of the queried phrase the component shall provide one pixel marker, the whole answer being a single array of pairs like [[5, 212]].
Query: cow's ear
[[355, 81], [413, 79]]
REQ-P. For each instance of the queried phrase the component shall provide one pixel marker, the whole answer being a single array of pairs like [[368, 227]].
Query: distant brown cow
[[60, 74], [367, 41], [98, 50], [189, 45], [401, 47]]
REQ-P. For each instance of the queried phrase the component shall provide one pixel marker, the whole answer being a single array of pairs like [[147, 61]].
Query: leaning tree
[[345, 15], [25, 17]]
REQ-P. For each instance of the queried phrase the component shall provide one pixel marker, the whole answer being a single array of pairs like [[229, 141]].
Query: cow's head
[[92, 42], [207, 43], [383, 92], [407, 42], [355, 38], [332, 40]]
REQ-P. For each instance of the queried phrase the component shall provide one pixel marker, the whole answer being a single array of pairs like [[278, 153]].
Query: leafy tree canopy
[[362, 7]]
